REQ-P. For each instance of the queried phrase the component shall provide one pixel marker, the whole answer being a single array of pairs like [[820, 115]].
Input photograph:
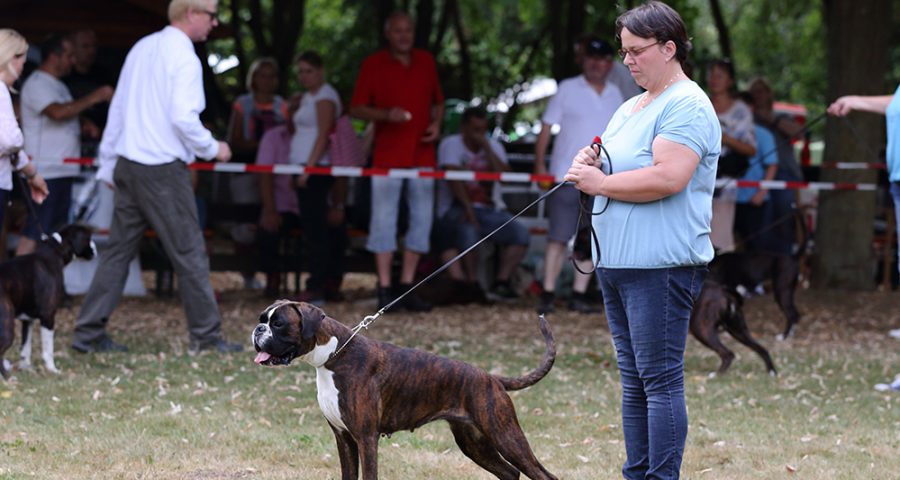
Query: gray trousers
[[160, 197]]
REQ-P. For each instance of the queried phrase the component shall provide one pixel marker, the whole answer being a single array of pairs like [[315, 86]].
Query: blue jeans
[[455, 232], [895, 193], [648, 312]]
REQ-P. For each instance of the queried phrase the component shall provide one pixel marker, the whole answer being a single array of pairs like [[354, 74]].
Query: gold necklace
[[646, 98]]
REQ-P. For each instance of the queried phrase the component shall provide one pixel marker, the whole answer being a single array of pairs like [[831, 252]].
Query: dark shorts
[[53, 214], [563, 211]]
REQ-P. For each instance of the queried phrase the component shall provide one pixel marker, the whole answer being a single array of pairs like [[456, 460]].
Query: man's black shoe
[[545, 304], [104, 344], [220, 346], [384, 296]]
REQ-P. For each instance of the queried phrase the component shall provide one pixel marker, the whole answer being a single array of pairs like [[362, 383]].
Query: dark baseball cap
[[598, 47]]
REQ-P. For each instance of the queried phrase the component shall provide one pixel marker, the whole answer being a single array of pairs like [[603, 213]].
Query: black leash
[[584, 208], [371, 318], [26, 192]]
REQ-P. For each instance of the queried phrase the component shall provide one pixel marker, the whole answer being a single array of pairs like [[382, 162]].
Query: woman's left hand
[[39, 189], [587, 178]]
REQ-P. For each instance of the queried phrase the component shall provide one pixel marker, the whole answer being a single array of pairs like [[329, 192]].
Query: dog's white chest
[[328, 397]]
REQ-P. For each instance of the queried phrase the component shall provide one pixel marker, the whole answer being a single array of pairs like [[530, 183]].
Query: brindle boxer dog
[[748, 270], [720, 307], [372, 388], [32, 286]]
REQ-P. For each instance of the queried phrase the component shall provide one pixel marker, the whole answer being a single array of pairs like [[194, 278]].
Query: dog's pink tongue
[[261, 357]]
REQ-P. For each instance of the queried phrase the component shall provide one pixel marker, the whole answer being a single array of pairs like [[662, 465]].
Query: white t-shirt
[[453, 152], [49, 141], [581, 114], [307, 124]]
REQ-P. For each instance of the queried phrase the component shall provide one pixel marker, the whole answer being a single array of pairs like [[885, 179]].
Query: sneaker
[[545, 304], [412, 301], [219, 345], [503, 291], [580, 303], [384, 296], [315, 297], [104, 344]]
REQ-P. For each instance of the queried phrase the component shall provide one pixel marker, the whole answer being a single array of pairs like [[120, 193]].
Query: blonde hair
[[11, 44], [178, 8], [254, 67]]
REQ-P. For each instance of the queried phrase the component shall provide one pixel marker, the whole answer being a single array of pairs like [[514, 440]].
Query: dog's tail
[[530, 379]]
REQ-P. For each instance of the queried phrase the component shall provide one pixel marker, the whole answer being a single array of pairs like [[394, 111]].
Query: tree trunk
[[556, 27], [465, 59], [287, 20], [722, 28], [424, 16], [857, 57]]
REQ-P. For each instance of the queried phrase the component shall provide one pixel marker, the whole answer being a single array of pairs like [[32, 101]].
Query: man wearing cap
[[582, 107]]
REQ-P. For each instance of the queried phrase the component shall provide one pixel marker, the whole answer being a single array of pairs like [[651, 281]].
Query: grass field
[[157, 413]]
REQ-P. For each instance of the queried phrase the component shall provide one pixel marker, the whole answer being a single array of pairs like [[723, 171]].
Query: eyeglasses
[[213, 16], [634, 52]]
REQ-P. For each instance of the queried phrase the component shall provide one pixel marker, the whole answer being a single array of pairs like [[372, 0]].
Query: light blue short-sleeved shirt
[[673, 231], [893, 137], [766, 156]]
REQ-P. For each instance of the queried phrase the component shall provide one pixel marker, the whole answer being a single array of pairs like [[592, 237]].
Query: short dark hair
[[725, 64], [473, 112], [656, 20], [53, 44], [311, 58]]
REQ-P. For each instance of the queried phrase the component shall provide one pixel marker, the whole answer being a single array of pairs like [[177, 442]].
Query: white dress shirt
[[11, 140], [154, 116]]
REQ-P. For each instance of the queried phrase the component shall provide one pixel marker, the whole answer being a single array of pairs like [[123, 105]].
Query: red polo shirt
[[384, 82]]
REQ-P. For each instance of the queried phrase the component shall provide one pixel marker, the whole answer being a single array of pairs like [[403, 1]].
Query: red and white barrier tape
[[468, 175]]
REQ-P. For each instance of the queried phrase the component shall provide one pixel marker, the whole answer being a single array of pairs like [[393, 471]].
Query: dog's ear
[[311, 317], [62, 243]]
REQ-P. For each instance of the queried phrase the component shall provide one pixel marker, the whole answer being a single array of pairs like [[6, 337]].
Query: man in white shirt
[[466, 210], [50, 123], [581, 107], [153, 131]]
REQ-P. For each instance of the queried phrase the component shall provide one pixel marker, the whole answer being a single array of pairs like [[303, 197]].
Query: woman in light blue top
[[889, 106], [654, 237]]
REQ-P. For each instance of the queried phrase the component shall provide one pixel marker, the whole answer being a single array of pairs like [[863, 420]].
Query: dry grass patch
[[158, 413]]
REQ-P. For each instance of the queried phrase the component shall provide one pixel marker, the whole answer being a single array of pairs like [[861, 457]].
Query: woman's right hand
[[270, 221], [842, 106]]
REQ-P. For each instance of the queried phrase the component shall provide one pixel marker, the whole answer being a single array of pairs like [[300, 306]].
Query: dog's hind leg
[[348, 453], [708, 335], [500, 426], [25, 350], [477, 447], [737, 327]]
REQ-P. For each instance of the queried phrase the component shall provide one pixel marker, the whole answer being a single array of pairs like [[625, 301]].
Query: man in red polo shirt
[[398, 89]]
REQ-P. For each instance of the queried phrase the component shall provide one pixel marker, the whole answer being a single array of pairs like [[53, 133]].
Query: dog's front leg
[[25, 351], [348, 452], [368, 455], [47, 349]]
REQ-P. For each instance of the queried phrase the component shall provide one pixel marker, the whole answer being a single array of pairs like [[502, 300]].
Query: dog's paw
[[780, 337], [52, 368], [23, 365], [6, 365]]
